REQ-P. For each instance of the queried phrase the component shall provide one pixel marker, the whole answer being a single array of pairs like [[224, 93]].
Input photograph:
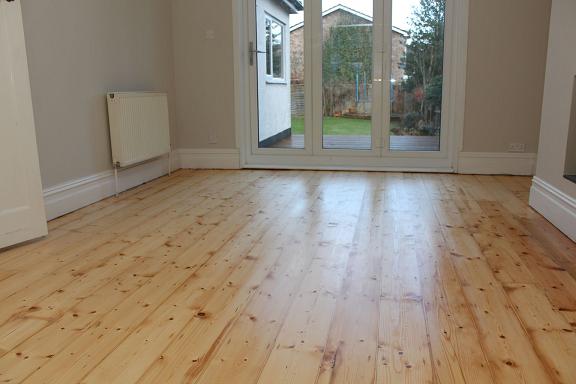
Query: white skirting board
[[76, 194], [488, 163], [79, 193], [554, 205], [208, 158], [523, 164]]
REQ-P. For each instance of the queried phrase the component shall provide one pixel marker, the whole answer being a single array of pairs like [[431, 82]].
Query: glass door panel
[[416, 76], [358, 79], [347, 74], [280, 74]]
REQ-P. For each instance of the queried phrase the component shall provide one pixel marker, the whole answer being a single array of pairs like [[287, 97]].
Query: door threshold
[[348, 168]]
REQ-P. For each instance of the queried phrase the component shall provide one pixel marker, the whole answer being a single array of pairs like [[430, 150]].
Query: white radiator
[[139, 127]]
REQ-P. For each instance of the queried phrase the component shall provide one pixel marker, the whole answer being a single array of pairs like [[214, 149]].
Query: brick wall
[[341, 17]]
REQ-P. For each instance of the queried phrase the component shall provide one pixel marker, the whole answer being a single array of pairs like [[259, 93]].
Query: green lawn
[[337, 126]]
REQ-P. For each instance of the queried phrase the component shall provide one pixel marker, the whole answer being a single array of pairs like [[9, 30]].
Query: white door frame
[[378, 55], [22, 213], [455, 69], [253, 93]]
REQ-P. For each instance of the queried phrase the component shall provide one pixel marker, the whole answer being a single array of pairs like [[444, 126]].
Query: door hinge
[[253, 52]]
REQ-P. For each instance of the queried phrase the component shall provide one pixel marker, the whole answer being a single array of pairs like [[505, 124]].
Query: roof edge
[[341, 7], [294, 6]]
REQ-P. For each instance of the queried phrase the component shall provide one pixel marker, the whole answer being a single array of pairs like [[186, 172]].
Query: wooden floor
[[397, 143], [295, 277]]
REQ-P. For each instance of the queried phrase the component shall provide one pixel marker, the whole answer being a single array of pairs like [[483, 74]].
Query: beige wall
[[556, 111], [78, 50], [506, 66], [507, 59], [204, 73]]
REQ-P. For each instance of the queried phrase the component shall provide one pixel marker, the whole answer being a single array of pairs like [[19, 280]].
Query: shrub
[[411, 120]]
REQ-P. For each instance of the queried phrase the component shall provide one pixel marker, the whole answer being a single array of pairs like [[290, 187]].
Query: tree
[[347, 54], [425, 56]]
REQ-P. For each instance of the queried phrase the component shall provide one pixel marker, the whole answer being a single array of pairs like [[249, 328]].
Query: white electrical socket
[[517, 147], [212, 138]]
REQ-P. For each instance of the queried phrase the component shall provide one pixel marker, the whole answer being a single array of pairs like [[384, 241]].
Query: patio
[[364, 142]]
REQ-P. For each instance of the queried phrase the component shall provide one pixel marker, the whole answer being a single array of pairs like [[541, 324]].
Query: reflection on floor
[[397, 143], [270, 277]]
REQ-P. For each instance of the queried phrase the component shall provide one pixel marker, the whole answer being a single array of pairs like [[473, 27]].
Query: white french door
[[22, 215], [365, 84]]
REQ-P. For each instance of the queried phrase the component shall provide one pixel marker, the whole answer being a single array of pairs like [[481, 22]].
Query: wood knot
[[202, 315]]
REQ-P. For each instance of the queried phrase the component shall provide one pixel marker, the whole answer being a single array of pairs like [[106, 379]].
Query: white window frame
[[270, 77]]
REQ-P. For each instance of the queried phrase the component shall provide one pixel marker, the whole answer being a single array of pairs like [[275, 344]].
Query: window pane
[[347, 75], [268, 45], [416, 84], [280, 103], [277, 50]]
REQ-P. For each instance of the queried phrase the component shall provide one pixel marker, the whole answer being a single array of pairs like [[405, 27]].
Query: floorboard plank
[[295, 277]]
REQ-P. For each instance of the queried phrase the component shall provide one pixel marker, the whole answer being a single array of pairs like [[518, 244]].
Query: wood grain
[[295, 277]]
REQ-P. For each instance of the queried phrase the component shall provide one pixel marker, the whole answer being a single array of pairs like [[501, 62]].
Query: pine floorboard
[[295, 277]]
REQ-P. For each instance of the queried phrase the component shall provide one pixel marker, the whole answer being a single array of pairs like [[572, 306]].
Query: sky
[[400, 13]]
